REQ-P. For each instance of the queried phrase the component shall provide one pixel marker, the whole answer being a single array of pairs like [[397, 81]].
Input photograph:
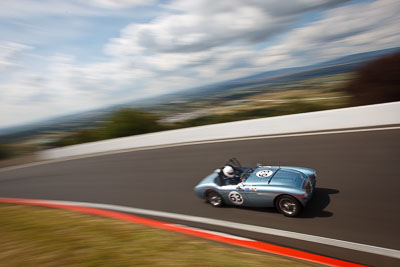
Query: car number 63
[[236, 197]]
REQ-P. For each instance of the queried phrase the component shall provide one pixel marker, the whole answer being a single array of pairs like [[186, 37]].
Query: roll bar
[[234, 162]]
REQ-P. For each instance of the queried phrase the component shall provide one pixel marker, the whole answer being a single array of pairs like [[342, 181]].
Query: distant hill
[[336, 66], [67, 122], [361, 57], [367, 56], [84, 119]]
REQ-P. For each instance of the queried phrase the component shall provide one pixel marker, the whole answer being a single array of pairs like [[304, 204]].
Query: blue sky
[[60, 57]]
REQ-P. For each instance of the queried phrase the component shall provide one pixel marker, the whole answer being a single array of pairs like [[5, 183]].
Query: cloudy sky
[[62, 56]]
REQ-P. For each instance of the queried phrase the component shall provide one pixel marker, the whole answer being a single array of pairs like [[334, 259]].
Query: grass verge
[[37, 236]]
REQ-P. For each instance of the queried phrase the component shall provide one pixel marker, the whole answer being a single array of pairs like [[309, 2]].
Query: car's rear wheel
[[214, 199], [288, 206]]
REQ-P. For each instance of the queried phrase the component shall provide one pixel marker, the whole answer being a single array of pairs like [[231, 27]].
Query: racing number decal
[[264, 173], [236, 197]]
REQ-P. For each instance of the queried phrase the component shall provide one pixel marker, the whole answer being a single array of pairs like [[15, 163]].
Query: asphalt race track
[[356, 199]]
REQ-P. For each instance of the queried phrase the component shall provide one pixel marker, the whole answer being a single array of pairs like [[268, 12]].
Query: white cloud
[[274, 7], [40, 8], [8, 52], [32, 8], [342, 31], [192, 43], [198, 25], [70, 86], [119, 3]]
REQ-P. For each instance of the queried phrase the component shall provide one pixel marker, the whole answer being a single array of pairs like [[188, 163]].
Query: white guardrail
[[346, 118]]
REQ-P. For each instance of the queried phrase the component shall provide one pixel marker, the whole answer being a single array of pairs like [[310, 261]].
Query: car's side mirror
[[239, 186]]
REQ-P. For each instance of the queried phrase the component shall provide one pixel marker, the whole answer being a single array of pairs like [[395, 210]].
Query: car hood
[[279, 176], [306, 171], [287, 177]]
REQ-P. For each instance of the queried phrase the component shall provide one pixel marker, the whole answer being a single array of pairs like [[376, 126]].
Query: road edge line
[[211, 141], [223, 238]]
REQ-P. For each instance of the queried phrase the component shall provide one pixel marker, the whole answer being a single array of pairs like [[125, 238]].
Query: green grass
[[36, 236]]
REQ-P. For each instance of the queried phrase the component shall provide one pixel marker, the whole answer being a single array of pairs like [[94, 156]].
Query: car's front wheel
[[214, 199], [288, 206]]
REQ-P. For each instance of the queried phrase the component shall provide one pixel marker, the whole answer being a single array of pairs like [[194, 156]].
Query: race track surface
[[356, 198]]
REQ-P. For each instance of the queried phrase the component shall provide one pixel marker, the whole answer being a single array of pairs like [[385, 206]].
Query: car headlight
[[307, 186]]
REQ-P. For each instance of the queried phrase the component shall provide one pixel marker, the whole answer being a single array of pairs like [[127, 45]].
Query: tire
[[214, 199], [288, 206]]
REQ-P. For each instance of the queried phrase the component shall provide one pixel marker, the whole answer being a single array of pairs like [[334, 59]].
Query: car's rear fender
[[298, 193]]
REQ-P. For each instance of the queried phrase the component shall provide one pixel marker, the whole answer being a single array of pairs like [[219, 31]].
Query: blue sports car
[[286, 188]]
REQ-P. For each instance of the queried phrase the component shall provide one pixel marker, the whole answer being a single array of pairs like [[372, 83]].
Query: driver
[[229, 174]]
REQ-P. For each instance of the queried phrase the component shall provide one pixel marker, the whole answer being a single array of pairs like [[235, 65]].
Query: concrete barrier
[[346, 118]]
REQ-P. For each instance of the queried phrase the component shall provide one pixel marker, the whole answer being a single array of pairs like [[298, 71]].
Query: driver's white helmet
[[228, 171]]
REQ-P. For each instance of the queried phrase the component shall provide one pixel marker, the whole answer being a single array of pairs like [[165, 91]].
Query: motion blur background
[[80, 71]]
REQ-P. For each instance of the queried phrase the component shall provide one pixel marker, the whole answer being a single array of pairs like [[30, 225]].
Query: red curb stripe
[[257, 245]]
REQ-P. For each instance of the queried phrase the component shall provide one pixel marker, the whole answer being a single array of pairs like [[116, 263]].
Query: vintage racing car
[[286, 188]]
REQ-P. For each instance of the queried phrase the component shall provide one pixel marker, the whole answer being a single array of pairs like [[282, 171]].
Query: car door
[[234, 195], [258, 195]]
